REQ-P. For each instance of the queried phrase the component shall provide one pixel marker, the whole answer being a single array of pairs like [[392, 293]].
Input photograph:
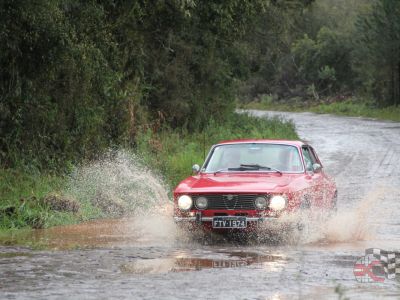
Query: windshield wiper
[[221, 170], [244, 167], [241, 168], [256, 166]]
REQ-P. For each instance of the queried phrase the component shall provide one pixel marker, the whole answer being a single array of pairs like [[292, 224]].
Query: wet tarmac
[[147, 258]]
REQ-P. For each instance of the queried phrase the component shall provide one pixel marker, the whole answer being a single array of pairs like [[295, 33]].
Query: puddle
[[97, 234], [185, 264], [93, 234]]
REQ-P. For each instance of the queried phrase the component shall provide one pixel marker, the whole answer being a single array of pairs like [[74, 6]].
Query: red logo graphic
[[369, 269]]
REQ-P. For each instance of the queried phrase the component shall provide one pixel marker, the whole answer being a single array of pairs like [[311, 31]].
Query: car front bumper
[[271, 224], [200, 219]]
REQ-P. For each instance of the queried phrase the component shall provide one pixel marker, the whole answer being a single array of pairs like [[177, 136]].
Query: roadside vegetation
[[350, 107], [337, 56]]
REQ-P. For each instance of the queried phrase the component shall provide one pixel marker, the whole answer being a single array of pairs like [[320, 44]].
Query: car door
[[314, 177], [324, 183]]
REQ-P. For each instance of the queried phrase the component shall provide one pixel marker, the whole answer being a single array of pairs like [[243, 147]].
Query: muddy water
[[148, 258]]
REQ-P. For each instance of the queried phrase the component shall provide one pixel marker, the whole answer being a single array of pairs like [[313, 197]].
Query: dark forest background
[[80, 76]]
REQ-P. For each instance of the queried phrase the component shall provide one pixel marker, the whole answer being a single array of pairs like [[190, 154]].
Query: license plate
[[229, 222]]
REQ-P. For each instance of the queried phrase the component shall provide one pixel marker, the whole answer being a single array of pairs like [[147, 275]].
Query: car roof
[[264, 141]]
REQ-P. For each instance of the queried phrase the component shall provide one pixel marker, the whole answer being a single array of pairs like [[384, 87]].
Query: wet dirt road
[[145, 258]]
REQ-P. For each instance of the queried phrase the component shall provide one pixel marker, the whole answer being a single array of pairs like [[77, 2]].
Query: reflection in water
[[182, 264]]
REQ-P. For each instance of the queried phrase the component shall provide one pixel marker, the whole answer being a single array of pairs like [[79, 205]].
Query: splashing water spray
[[120, 186], [348, 224]]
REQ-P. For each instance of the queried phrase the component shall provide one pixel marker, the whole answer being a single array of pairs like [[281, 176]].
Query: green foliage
[[325, 49], [379, 51], [267, 56], [323, 62], [20, 194], [79, 76], [359, 109], [55, 75]]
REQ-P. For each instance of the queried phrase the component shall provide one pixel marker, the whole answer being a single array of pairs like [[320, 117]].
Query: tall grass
[[20, 194]]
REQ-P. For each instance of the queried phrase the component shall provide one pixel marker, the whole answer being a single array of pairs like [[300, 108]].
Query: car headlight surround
[[278, 202], [185, 202], [201, 202], [260, 202]]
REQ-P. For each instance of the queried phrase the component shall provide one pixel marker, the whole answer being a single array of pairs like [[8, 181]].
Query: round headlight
[[277, 203], [185, 202], [260, 202], [201, 202]]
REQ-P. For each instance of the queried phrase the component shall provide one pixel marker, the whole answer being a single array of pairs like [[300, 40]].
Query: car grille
[[220, 201]]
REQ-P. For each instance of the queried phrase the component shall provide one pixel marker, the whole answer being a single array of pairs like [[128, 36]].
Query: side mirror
[[317, 167], [196, 168]]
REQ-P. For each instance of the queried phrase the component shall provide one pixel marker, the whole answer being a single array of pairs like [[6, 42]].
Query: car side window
[[314, 156], [308, 159]]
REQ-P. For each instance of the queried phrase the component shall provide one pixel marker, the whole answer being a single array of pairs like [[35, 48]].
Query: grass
[[352, 107], [170, 152], [21, 194]]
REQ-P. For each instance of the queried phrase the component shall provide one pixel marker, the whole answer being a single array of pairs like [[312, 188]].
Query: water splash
[[360, 222], [348, 224], [120, 185]]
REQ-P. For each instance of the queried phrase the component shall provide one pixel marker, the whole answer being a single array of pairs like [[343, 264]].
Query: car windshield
[[254, 157]]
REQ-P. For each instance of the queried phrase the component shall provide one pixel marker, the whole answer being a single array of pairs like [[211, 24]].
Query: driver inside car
[[283, 160], [288, 161], [231, 159]]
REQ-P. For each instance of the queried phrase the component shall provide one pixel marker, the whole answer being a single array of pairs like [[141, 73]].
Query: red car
[[244, 183]]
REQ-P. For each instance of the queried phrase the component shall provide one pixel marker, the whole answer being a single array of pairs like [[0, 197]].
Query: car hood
[[236, 183]]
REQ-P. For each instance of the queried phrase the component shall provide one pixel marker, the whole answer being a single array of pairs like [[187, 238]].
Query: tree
[[379, 51], [79, 76], [324, 63]]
